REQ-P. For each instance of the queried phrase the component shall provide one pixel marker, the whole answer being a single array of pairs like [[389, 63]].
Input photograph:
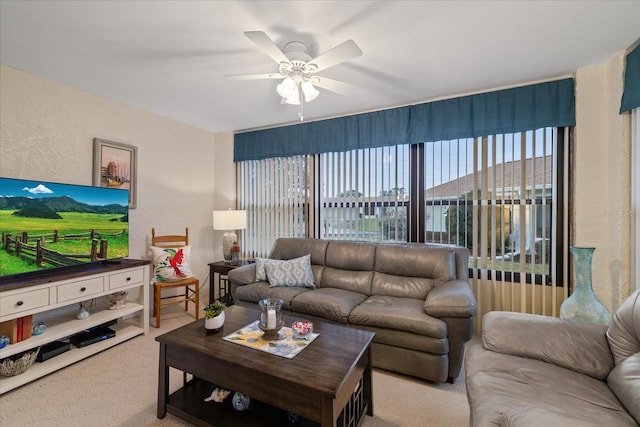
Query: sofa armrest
[[451, 299], [243, 275], [579, 346]]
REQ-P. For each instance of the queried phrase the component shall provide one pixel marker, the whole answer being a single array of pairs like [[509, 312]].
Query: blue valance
[[505, 111], [631, 94]]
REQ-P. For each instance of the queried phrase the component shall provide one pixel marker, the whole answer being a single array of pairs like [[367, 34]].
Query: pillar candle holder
[[270, 317]]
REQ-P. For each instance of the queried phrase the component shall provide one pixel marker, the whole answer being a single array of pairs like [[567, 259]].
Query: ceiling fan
[[299, 70]]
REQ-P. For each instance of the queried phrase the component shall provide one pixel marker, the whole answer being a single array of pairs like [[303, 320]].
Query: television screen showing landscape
[[47, 225]]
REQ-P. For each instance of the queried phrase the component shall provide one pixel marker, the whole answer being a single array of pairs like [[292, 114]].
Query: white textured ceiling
[[169, 57]]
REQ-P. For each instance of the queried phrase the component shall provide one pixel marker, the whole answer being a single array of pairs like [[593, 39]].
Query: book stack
[[17, 329]]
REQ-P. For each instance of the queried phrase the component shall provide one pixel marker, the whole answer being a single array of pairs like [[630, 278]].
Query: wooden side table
[[221, 268]]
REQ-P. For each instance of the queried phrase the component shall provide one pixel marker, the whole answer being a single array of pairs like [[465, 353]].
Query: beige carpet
[[118, 387]]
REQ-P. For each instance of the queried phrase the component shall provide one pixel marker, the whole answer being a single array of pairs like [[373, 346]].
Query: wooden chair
[[173, 241]]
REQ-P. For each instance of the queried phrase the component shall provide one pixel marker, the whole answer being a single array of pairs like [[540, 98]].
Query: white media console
[[55, 299]]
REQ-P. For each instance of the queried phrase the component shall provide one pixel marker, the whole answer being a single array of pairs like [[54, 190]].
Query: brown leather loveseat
[[532, 370], [416, 298]]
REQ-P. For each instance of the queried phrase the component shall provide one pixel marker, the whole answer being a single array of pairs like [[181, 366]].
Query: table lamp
[[229, 221]]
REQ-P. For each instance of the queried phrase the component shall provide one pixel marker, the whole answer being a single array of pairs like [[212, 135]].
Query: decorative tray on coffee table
[[285, 345]]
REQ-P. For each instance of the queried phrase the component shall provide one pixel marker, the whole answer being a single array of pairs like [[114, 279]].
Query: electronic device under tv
[[47, 226], [83, 339]]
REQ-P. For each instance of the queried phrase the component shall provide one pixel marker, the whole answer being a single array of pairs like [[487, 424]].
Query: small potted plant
[[214, 316]]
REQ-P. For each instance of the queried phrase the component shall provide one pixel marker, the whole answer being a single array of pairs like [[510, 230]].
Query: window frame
[[416, 205]]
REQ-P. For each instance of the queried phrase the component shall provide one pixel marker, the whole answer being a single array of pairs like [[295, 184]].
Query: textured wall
[[47, 131], [601, 176]]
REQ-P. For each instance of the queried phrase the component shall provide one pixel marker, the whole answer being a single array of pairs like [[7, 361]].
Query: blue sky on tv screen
[[96, 196]]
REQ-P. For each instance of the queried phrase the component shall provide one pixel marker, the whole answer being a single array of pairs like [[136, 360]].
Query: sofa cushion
[[349, 266], [624, 329], [408, 340], [330, 303], [354, 256], [502, 388], [579, 346], [411, 271], [356, 281], [401, 286], [403, 314], [294, 272], [294, 247], [624, 381], [254, 292]]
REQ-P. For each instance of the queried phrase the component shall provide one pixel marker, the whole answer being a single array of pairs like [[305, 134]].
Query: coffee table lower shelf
[[188, 403]]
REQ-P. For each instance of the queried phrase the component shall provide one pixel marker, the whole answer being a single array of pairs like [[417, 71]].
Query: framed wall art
[[114, 165]]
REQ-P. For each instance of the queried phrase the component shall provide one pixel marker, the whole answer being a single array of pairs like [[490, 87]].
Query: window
[[364, 194], [497, 195], [275, 194]]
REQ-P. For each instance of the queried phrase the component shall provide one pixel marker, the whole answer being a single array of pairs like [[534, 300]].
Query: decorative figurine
[[117, 300], [218, 395], [38, 328], [82, 312]]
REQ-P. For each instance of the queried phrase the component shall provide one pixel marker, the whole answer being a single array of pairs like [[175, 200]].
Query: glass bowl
[[302, 329]]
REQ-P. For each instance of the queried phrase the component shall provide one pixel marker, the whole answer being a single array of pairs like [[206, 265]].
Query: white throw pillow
[[171, 263], [261, 273]]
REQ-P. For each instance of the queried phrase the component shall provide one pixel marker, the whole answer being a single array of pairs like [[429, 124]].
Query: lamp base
[[228, 240]]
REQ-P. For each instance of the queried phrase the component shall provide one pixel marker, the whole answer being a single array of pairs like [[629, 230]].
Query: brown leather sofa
[[416, 298], [531, 370]]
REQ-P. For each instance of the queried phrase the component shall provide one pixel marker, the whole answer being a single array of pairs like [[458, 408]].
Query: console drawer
[[81, 289], [23, 301], [131, 277]]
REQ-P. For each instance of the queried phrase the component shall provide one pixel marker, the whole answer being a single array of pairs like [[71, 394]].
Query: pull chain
[[301, 97]]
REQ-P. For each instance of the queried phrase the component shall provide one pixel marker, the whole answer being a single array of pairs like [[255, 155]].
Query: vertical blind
[[275, 193], [501, 196], [364, 194], [479, 171]]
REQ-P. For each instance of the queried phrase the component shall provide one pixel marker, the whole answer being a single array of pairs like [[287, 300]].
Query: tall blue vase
[[583, 304]]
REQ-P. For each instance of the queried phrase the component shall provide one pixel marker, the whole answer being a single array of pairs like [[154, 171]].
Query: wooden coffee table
[[327, 384]]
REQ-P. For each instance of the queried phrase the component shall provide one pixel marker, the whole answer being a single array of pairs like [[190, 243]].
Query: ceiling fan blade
[[267, 45], [339, 54], [256, 76], [332, 85]]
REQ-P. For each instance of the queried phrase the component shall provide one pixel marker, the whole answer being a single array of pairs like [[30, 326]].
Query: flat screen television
[[47, 225]]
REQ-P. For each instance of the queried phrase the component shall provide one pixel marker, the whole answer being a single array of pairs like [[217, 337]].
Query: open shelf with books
[[56, 303]]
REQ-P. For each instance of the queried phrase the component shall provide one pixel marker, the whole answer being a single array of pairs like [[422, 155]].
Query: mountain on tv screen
[[46, 225]]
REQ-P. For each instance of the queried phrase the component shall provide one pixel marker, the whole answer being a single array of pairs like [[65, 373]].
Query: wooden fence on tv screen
[[20, 246]]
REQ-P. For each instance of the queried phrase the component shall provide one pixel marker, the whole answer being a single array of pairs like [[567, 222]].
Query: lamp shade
[[230, 220]]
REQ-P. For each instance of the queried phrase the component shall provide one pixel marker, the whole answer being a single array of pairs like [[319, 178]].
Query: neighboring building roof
[[507, 176]]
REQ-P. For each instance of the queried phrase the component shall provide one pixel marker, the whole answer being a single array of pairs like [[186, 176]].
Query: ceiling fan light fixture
[[309, 90], [298, 68], [294, 99], [287, 88]]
